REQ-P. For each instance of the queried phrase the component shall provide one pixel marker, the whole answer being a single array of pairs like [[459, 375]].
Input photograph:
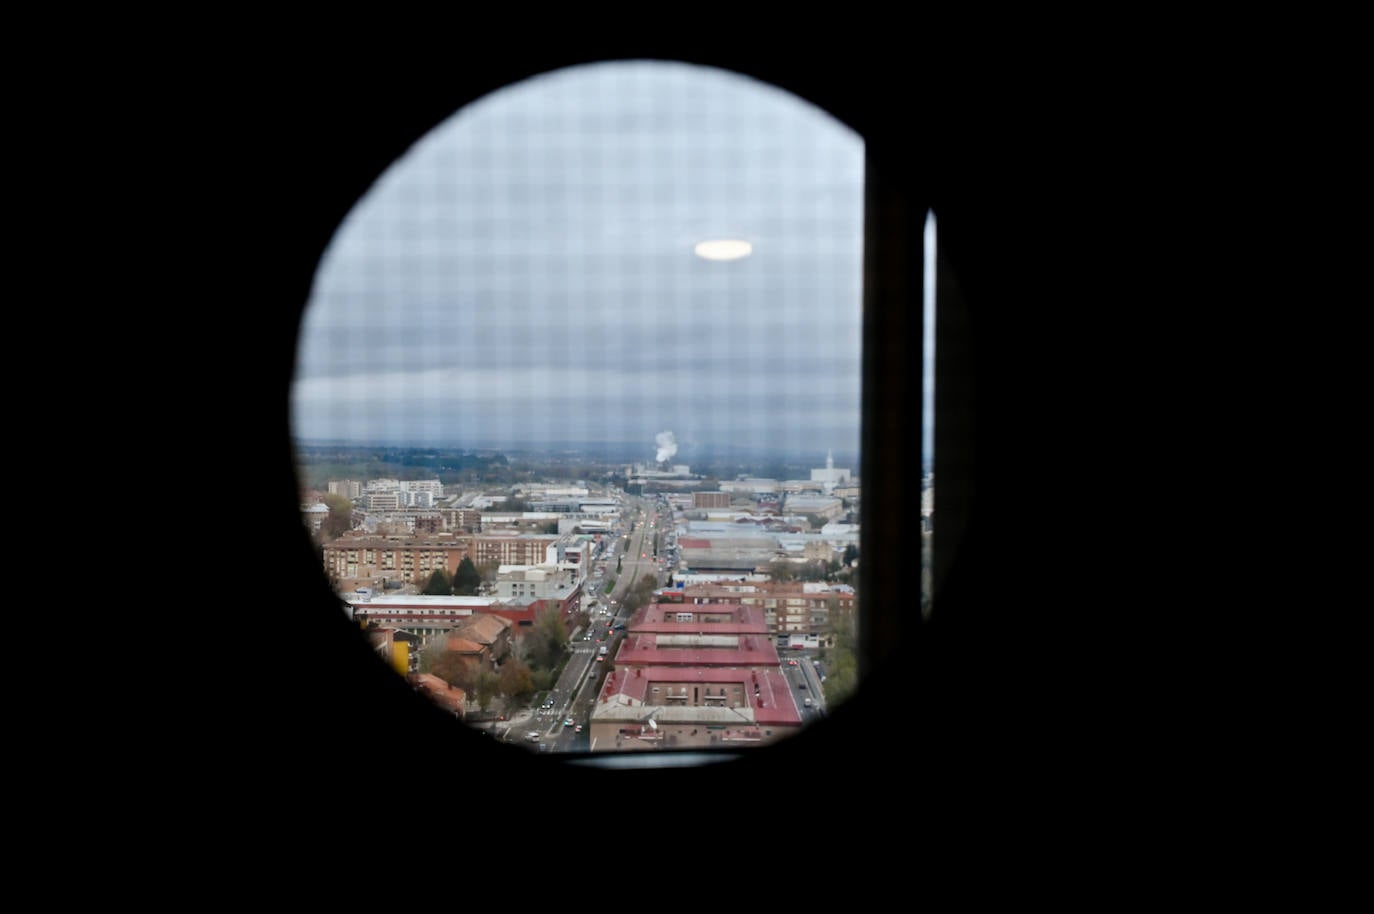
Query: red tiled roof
[[439, 691], [747, 618], [773, 705], [754, 650]]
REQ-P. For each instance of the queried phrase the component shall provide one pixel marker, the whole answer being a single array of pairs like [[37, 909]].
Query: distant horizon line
[[575, 446]]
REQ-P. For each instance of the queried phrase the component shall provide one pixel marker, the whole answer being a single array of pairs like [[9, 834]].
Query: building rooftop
[[627, 696], [692, 649], [662, 617], [425, 601]]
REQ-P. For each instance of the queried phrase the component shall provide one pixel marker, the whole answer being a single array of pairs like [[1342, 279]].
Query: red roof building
[[689, 676]]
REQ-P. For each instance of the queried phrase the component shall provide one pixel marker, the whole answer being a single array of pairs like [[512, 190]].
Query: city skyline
[[529, 272]]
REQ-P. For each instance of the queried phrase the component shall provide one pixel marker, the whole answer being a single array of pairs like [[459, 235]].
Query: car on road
[[577, 729], [568, 721], [791, 663]]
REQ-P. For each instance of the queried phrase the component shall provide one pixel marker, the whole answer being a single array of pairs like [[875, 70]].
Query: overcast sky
[[526, 274]]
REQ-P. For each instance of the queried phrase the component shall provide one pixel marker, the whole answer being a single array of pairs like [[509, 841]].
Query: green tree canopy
[[340, 519], [547, 640], [485, 687], [466, 579], [515, 680], [842, 670], [488, 571], [438, 584], [782, 570]]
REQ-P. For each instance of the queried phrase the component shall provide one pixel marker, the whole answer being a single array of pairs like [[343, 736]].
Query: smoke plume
[[667, 447]]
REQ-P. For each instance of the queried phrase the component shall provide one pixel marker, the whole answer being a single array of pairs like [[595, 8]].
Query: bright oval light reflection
[[724, 250]]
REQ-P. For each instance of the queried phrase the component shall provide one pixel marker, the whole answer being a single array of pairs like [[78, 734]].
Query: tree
[[842, 670], [516, 682], [455, 669], [544, 646], [438, 584], [640, 594], [434, 649], [485, 686], [340, 519], [466, 579], [781, 570]]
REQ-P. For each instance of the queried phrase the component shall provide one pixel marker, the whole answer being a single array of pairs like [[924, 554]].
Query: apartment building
[[461, 519], [352, 489], [710, 499], [382, 501], [427, 616], [538, 581], [795, 611], [375, 560]]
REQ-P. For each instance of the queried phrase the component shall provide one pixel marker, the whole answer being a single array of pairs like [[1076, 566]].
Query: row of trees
[[841, 663], [640, 594], [466, 581]]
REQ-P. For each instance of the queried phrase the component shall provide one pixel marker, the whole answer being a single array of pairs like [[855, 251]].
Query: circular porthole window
[[577, 411]]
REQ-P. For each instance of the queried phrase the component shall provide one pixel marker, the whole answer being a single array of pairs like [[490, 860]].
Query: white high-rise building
[[831, 475]]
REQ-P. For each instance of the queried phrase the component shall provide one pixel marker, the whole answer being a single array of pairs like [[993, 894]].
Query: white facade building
[[831, 475]]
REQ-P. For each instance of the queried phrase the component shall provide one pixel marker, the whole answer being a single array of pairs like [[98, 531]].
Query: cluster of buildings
[[390, 506], [703, 667], [478, 641], [389, 494], [700, 666]]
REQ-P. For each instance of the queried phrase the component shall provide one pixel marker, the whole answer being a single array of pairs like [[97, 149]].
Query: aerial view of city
[[577, 413], [580, 606]]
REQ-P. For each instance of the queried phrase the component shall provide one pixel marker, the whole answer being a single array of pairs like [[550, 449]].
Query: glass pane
[[928, 419], [577, 410]]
